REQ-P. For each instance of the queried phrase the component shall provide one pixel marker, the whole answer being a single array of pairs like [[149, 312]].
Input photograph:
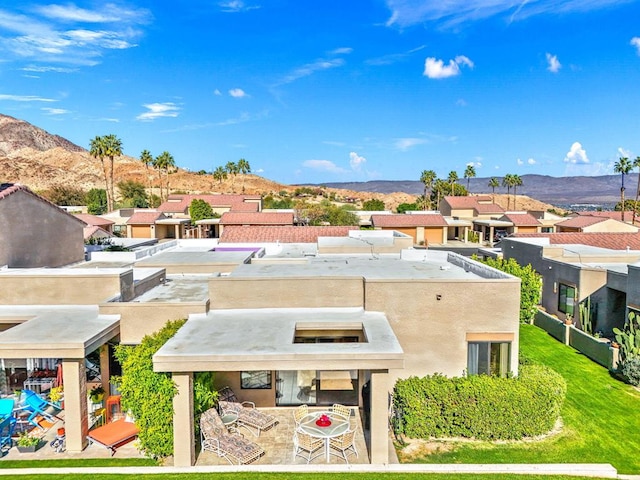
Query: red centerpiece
[[323, 421]]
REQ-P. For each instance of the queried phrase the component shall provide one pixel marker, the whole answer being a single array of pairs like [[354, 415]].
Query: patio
[[278, 443]]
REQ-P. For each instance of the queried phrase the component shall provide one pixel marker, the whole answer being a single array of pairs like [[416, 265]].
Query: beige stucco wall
[[34, 233], [286, 292], [261, 397], [433, 332], [82, 288], [140, 319]]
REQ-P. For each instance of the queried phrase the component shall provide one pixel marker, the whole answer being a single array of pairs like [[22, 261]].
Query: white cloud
[[237, 93], [435, 68], [341, 51], [453, 13], [392, 58], [310, 69], [54, 111], [576, 155], [531, 161], [635, 41], [461, 102], [234, 6], [42, 69], [519, 162], [553, 64], [217, 92], [25, 98], [623, 152], [477, 164], [404, 144], [356, 161], [157, 110], [323, 165]]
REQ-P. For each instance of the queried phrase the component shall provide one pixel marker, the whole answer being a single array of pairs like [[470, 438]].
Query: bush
[[148, 394], [479, 406], [199, 210], [631, 370]]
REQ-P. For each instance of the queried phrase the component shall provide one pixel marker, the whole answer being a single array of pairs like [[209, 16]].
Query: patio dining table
[[339, 424]]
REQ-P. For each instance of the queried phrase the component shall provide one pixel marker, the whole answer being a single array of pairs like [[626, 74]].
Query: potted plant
[[97, 394], [56, 394], [27, 443]]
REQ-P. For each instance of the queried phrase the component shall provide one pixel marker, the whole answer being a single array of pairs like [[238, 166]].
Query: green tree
[[373, 204], [147, 159], [452, 179], [636, 163], [623, 166], [107, 147], [507, 181], [493, 184], [165, 163], [220, 174], [96, 201], [406, 207], [516, 182], [469, 173], [427, 177], [133, 194], [232, 170], [199, 210], [65, 195], [244, 168]]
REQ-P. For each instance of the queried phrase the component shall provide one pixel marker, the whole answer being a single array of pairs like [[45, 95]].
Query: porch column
[[466, 234], [379, 417], [184, 452], [76, 416], [105, 373]]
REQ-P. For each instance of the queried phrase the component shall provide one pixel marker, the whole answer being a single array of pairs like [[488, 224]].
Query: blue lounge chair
[[7, 425], [6, 407], [38, 406]]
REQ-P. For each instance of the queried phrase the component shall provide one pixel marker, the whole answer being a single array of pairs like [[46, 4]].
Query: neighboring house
[[255, 218], [280, 234], [612, 214], [35, 232], [469, 207], [178, 205], [589, 223], [522, 222], [425, 228], [95, 221], [152, 224]]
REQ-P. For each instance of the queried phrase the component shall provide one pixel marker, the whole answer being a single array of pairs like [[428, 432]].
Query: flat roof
[[177, 289], [261, 339], [52, 331], [196, 257]]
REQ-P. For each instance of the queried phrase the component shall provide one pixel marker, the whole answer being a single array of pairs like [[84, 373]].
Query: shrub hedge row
[[479, 406]]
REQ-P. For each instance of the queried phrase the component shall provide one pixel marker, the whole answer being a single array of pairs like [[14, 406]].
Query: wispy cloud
[[25, 98], [435, 68], [453, 13], [44, 68], [576, 154], [55, 111], [356, 161], [237, 93], [323, 166], [404, 144], [316, 66], [530, 161], [553, 64], [158, 110], [635, 41], [234, 6]]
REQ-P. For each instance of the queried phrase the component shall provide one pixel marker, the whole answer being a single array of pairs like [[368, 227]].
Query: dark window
[[489, 358], [566, 299], [257, 379]]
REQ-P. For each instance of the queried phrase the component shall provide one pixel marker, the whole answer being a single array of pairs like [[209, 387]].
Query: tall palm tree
[[516, 182], [623, 166], [507, 181], [452, 179], [243, 168], [147, 159], [112, 149], [427, 177], [232, 170], [636, 163], [165, 163], [97, 150], [107, 146], [469, 173], [494, 183], [220, 174]]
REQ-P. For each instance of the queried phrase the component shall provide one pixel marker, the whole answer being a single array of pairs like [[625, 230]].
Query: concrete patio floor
[[278, 443]]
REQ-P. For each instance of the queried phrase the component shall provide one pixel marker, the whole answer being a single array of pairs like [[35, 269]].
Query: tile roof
[[409, 220], [180, 203], [580, 221], [521, 219], [283, 234], [91, 230], [7, 189], [488, 208], [93, 219], [613, 241], [461, 202], [245, 207], [628, 215], [256, 218], [145, 218], [472, 202]]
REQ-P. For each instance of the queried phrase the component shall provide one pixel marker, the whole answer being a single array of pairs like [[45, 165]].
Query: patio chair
[[248, 415], [226, 443], [300, 412], [306, 446], [7, 425], [38, 407], [114, 434], [341, 410], [344, 445], [6, 407]]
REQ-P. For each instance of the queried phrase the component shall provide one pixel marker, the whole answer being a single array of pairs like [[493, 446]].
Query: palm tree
[[147, 159], [107, 146], [112, 149], [507, 181], [623, 167], [469, 173], [516, 182], [243, 168], [427, 177], [494, 183], [220, 174], [452, 179], [97, 150], [636, 163], [232, 170], [165, 163]]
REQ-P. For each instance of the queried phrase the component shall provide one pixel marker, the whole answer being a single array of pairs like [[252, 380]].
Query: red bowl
[[323, 423]]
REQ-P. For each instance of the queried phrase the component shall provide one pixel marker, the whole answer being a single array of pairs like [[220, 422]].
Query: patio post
[[379, 417], [76, 418], [184, 453], [105, 373]]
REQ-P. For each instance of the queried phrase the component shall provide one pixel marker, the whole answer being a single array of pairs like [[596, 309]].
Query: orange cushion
[[114, 433]]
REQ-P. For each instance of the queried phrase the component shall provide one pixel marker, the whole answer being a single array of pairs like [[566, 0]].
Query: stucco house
[[178, 205], [423, 227], [591, 223]]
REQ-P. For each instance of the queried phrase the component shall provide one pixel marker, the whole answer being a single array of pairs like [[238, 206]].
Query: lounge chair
[[114, 434], [38, 407], [230, 445], [6, 407], [7, 425], [248, 415]]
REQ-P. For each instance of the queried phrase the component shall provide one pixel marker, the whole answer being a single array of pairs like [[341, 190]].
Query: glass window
[[566, 299], [256, 379], [488, 358]]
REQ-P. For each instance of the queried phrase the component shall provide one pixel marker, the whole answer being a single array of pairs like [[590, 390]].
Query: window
[[566, 299], [257, 379], [489, 358]]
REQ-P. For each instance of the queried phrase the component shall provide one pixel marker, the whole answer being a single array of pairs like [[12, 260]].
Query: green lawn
[[601, 421], [306, 476]]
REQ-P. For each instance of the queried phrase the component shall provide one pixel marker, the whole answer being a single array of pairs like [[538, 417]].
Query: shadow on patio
[[278, 443]]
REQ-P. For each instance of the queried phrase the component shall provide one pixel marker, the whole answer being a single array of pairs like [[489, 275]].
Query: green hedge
[[479, 406]]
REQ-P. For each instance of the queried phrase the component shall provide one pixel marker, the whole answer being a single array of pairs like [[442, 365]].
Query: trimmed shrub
[[479, 406], [631, 370], [148, 394]]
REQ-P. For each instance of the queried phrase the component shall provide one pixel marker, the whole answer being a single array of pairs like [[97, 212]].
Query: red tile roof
[[488, 208], [145, 218], [283, 234], [628, 215], [461, 202], [245, 207], [521, 219], [580, 221], [472, 202], [93, 219], [7, 189], [180, 203], [613, 241], [409, 220], [256, 218]]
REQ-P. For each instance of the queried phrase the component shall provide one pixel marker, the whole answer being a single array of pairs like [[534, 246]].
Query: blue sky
[[334, 90]]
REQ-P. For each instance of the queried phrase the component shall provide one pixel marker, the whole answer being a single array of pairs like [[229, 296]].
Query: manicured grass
[[600, 415], [308, 476], [79, 462]]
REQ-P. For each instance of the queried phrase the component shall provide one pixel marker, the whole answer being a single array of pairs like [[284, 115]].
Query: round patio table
[[339, 425]]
